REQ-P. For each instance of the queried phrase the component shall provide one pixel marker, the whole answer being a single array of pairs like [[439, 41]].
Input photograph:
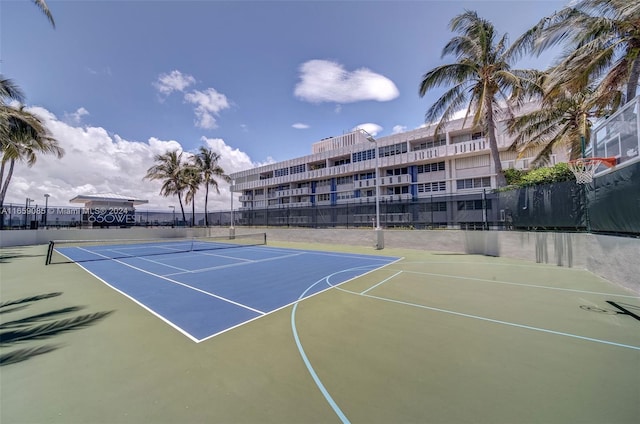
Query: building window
[[397, 171], [344, 180], [483, 182], [365, 155], [297, 169], [430, 144], [393, 150], [345, 195], [325, 197], [367, 176], [398, 190], [432, 187], [281, 172], [431, 167]]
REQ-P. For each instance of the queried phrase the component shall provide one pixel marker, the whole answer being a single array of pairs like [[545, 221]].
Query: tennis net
[[66, 251]]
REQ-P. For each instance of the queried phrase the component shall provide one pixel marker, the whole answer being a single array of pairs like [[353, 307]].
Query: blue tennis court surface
[[204, 293]]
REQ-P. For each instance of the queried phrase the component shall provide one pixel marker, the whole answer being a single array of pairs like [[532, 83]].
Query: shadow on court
[[431, 338]]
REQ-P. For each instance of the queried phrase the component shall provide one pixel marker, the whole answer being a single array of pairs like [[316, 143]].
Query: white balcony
[[468, 147], [293, 192]]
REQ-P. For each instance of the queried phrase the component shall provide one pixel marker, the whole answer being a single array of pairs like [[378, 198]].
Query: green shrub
[[543, 175]]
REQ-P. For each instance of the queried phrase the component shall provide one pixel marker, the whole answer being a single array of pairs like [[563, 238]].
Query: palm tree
[[23, 137], [206, 160], [192, 179], [9, 91], [481, 78], [170, 169], [603, 41], [563, 120]]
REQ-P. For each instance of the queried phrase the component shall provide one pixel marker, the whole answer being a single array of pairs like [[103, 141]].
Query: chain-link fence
[[610, 204]]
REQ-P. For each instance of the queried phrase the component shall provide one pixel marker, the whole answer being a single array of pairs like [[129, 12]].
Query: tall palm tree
[[192, 179], [602, 39], [206, 160], [481, 78], [169, 168], [562, 120], [24, 137]]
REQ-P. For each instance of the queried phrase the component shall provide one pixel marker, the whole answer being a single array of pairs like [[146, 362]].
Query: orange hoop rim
[[608, 162]]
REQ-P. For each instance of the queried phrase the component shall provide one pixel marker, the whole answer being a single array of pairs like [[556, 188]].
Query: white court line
[[495, 321], [232, 265], [186, 285], [381, 282], [519, 284], [160, 263], [512, 324]]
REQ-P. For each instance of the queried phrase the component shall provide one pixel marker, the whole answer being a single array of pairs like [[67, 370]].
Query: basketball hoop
[[584, 168]]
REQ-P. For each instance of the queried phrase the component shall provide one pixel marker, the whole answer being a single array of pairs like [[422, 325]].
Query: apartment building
[[414, 164]]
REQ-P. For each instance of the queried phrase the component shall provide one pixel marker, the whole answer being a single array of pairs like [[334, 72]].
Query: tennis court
[[203, 287], [343, 334]]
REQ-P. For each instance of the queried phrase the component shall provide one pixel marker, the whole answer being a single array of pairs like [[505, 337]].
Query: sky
[[120, 81]]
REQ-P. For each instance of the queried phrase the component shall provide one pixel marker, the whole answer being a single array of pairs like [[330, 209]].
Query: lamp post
[[378, 230], [27, 203], [46, 209], [173, 222], [232, 230]]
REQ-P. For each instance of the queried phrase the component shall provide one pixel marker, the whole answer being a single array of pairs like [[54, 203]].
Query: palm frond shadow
[[8, 254], [39, 327]]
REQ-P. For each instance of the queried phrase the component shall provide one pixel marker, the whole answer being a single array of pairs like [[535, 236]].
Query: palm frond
[[29, 299], [9, 90], [48, 330], [39, 317], [20, 355], [42, 5]]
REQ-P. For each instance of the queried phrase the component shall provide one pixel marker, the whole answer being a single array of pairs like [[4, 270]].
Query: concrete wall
[[615, 258]]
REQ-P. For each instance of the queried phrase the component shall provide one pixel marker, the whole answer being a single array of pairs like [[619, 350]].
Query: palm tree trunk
[[206, 199], [5, 183], [184, 217], [632, 82], [193, 212], [501, 181], [1, 180]]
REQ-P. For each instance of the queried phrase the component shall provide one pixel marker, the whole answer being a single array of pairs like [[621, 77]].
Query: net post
[[49, 253]]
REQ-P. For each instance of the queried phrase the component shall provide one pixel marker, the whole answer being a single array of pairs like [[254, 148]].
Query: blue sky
[[260, 81]]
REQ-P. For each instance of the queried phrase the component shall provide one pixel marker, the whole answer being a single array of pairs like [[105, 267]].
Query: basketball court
[[397, 335]]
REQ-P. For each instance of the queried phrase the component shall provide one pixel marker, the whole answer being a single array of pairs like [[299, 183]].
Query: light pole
[[46, 209], [173, 222], [27, 203], [232, 230], [378, 230]]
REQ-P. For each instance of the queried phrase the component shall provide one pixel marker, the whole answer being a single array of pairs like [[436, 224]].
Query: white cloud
[[99, 162], [300, 126], [173, 81], [326, 81], [76, 117], [369, 127], [208, 103], [397, 129]]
